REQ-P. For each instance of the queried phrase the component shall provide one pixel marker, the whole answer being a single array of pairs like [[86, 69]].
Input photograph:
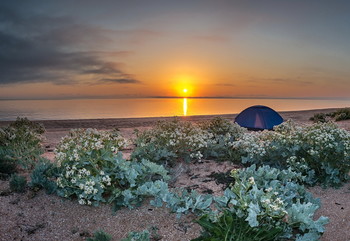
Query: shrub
[[169, 141], [320, 117], [7, 163], [262, 203], [18, 183], [341, 114], [88, 144], [22, 140], [98, 174], [138, 236], [24, 123], [44, 176], [223, 134], [230, 227], [325, 148], [181, 201], [338, 115], [93, 170], [321, 151], [100, 236], [222, 127]]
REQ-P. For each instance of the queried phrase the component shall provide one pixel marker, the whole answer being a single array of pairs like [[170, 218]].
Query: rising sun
[[185, 90]]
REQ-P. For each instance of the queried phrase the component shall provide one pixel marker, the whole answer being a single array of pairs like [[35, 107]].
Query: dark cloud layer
[[122, 81], [40, 48]]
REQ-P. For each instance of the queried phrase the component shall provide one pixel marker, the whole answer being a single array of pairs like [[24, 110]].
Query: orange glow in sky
[[250, 49]]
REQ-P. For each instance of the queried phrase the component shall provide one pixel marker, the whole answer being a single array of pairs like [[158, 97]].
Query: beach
[[38, 216]]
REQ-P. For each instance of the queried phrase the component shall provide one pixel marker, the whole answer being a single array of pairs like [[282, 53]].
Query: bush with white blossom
[[89, 143], [169, 141], [223, 134], [21, 142], [264, 203], [320, 151], [94, 171]]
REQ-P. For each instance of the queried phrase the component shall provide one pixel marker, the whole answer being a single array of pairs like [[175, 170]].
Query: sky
[[137, 48]]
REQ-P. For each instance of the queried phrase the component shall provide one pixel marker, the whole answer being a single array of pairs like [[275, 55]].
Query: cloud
[[225, 84], [122, 81], [213, 38], [282, 81], [135, 36], [40, 48]]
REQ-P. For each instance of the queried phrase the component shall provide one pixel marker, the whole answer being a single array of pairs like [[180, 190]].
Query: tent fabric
[[259, 117]]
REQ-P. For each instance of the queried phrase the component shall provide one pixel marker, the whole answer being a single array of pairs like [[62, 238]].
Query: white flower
[[279, 201], [251, 180], [268, 189]]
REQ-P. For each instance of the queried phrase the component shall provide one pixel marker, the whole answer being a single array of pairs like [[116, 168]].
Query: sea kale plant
[[170, 141], [43, 177], [100, 235], [338, 115], [94, 171], [223, 134], [18, 183], [341, 114], [7, 163], [89, 144], [263, 204], [21, 141], [320, 151], [138, 236]]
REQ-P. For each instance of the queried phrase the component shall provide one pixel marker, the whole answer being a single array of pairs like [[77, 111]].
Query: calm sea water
[[151, 107]]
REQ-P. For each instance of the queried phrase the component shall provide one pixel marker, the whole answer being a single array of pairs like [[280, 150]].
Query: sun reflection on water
[[185, 106]]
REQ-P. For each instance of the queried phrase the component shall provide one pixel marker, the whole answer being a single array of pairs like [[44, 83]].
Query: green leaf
[[253, 212]]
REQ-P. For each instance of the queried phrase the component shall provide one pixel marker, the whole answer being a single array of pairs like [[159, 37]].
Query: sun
[[185, 92]]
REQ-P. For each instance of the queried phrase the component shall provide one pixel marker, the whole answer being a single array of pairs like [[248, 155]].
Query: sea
[[149, 107]]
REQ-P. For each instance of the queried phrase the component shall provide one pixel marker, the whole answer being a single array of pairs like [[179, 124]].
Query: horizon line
[[178, 97]]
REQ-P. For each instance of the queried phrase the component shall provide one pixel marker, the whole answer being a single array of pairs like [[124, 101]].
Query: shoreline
[[111, 123]]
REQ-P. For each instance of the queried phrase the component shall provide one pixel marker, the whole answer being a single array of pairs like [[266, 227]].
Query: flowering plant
[[21, 141], [171, 140], [89, 143], [263, 202], [223, 134], [222, 127], [93, 170], [321, 151]]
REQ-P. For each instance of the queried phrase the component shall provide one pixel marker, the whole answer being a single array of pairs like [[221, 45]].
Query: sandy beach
[[38, 216]]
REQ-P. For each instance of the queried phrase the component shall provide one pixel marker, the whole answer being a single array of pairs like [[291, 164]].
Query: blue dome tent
[[258, 117]]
